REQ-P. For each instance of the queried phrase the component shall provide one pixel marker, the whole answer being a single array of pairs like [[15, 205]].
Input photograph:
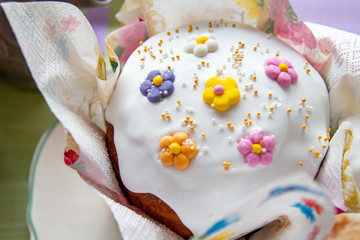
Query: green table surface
[[24, 117]]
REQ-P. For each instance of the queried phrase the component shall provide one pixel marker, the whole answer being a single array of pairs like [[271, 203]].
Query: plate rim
[[31, 181]]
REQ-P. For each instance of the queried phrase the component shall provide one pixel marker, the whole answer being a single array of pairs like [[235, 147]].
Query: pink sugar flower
[[257, 148], [281, 71]]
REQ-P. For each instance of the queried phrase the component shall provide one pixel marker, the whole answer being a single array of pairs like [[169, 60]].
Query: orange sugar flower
[[177, 150]]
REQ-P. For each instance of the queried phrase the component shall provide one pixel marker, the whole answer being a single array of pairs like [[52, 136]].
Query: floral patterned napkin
[[65, 60]]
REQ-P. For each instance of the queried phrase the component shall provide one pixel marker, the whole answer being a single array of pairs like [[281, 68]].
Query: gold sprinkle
[[153, 56], [271, 108], [258, 114], [255, 48], [306, 63], [138, 51], [203, 63], [324, 146], [232, 127], [168, 33], [163, 115], [320, 137], [226, 165], [191, 121], [192, 128], [197, 27], [203, 134], [250, 122], [307, 70], [254, 78], [300, 164], [245, 119], [303, 127], [160, 50], [168, 116], [187, 117], [289, 110], [169, 67], [194, 86], [145, 49], [186, 121], [317, 154], [177, 30], [210, 24], [177, 56], [196, 81], [277, 54], [270, 95], [329, 130], [242, 45], [142, 59], [178, 101], [141, 43], [234, 25], [249, 114], [189, 29], [236, 51], [255, 92], [303, 100], [173, 58], [307, 116], [229, 124], [310, 149]]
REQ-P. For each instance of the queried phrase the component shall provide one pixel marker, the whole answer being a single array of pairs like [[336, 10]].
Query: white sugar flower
[[200, 45]]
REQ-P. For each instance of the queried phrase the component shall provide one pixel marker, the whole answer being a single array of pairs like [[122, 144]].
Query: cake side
[[148, 203]]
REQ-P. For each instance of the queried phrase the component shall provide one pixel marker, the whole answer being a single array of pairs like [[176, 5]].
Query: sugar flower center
[[283, 67], [256, 148], [158, 80], [175, 148], [219, 89], [201, 40]]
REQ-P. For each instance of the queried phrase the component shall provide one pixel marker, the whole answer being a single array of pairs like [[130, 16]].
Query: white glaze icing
[[206, 191]]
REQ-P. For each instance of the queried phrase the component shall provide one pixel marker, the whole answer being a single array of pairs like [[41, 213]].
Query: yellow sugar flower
[[221, 93]]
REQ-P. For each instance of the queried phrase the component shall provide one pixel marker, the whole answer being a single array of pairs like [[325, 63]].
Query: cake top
[[207, 113]]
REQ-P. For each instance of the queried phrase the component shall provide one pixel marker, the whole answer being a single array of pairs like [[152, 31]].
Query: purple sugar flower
[[158, 84]]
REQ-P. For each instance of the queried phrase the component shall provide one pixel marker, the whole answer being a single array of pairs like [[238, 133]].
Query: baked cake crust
[[148, 203]]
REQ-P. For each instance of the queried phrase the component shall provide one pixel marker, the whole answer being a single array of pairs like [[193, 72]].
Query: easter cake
[[205, 114]]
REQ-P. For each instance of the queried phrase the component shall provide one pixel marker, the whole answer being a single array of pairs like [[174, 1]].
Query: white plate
[[61, 205]]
